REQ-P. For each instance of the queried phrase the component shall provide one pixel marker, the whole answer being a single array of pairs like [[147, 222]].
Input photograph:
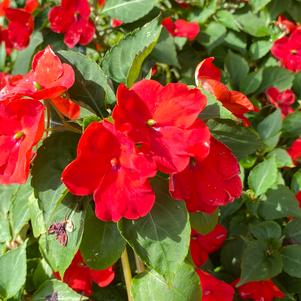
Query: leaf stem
[[127, 273], [139, 264]]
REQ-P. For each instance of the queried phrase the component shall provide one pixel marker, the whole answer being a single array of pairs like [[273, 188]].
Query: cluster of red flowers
[[20, 25], [22, 113], [288, 48]]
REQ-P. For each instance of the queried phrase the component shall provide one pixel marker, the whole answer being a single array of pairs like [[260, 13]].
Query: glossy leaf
[[102, 250], [162, 237]]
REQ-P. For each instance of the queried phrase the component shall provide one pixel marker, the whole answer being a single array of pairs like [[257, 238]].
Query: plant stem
[[139, 264], [127, 273]]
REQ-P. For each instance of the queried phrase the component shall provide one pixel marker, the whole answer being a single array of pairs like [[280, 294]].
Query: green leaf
[[296, 181], [297, 85], [241, 140], [36, 217], [277, 77], [59, 257], [253, 25], [128, 10], [101, 251], [161, 238], [203, 222], [259, 262], [266, 230], [12, 271], [91, 88], [165, 51], [283, 159], [228, 20], [292, 260], [14, 210], [269, 129], [237, 67], [258, 5], [23, 60], [263, 176], [292, 125], [231, 255], [206, 12], [135, 46], [63, 291], [251, 82], [56, 152], [212, 36], [236, 41], [280, 202], [259, 49], [152, 286], [42, 273], [293, 231], [214, 108]]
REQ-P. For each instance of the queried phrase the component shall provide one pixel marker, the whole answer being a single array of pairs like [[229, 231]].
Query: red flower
[[72, 19], [20, 27], [203, 245], [21, 128], [108, 166], [214, 289], [182, 4], [116, 23], [259, 291], [282, 100], [288, 51], [208, 77], [208, 184], [295, 150], [181, 28], [48, 79], [80, 277], [285, 25], [101, 2], [163, 120]]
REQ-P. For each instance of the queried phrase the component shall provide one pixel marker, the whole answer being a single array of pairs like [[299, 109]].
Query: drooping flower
[[163, 121], [288, 51], [259, 291], [281, 99], [209, 183], [201, 245], [181, 28], [20, 27], [72, 18], [285, 25], [214, 289], [21, 128], [207, 76], [80, 277], [109, 166], [295, 150], [49, 78]]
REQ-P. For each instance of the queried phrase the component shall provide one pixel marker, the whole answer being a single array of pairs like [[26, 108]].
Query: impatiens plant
[[150, 150]]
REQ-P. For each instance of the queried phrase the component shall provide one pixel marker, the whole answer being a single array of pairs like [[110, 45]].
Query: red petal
[[210, 183], [67, 107], [103, 277], [214, 289], [206, 69]]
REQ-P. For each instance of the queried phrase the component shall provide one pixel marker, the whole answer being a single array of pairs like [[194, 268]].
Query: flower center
[[37, 85], [293, 51], [151, 122], [19, 135], [114, 164]]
